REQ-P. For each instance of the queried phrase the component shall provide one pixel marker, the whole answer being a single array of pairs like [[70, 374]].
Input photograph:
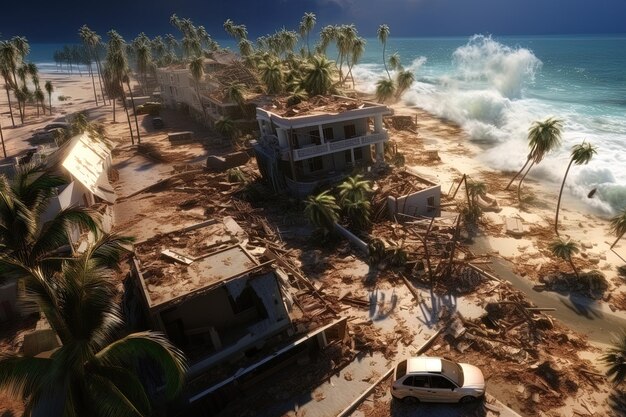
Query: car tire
[[467, 399], [410, 400]]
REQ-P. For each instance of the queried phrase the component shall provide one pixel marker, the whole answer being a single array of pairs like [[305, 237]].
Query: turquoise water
[[495, 87]]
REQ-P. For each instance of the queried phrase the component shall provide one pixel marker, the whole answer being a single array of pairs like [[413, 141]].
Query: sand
[[457, 157]]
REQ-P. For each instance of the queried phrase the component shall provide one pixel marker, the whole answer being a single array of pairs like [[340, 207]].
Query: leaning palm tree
[[385, 89], [615, 359], [322, 210], [49, 89], [306, 26], [581, 155], [356, 52], [383, 34], [4, 149], [354, 188], [96, 371], [318, 78], [357, 212], [565, 249], [404, 81], [541, 134], [618, 226], [543, 137]]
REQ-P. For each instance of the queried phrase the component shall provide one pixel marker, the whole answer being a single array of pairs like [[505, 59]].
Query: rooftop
[[318, 105], [181, 263]]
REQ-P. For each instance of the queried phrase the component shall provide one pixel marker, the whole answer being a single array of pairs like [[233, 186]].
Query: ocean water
[[495, 87]]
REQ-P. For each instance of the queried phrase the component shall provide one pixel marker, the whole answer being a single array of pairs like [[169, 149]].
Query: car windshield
[[453, 371]]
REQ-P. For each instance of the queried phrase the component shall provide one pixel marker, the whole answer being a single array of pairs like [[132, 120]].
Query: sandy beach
[[528, 255]]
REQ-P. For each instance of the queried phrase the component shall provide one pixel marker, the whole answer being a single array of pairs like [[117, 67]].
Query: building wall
[[418, 203]]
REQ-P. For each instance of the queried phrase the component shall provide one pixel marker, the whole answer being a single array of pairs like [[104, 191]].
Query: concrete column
[[378, 123], [282, 137], [321, 129], [352, 155], [380, 152]]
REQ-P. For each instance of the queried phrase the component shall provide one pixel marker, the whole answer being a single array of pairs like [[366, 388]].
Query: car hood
[[472, 377]]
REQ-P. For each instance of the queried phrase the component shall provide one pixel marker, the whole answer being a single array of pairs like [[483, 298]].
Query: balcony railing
[[339, 145]]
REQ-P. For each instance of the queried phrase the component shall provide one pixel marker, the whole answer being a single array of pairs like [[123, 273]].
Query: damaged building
[[305, 146], [208, 294]]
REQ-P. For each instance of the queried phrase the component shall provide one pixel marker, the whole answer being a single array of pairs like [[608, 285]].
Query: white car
[[431, 379]]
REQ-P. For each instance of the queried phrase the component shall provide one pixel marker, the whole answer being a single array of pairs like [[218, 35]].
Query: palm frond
[[55, 233], [151, 345], [22, 375], [128, 384]]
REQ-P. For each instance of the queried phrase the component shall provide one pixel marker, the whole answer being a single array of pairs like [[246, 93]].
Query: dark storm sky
[[58, 21]]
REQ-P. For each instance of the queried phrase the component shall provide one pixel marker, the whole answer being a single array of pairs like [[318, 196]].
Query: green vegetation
[[615, 359], [581, 155], [322, 211], [565, 249]]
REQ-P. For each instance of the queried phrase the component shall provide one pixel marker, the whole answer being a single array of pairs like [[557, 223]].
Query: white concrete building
[[301, 149]]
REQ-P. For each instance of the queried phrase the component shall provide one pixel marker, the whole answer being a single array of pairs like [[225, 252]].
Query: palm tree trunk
[[517, 175], [571, 262], [130, 125], [37, 106], [519, 186], [132, 100], [95, 54], [50, 102], [19, 104], [93, 83], [6, 87], [558, 204], [385, 61], [616, 240], [4, 150], [113, 110]]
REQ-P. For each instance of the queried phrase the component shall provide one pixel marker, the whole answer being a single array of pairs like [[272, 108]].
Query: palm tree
[[394, 62], [117, 69], [354, 188], [22, 202], [618, 226], [358, 212], [580, 155], [226, 127], [39, 100], [404, 81], [272, 76], [95, 371], [93, 41], [196, 67], [322, 210], [126, 80], [383, 34], [86, 36], [49, 89], [565, 249], [235, 93], [541, 134], [306, 26], [543, 137], [8, 59], [4, 149], [475, 189], [245, 47], [327, 35], [384, 90], [318, 77], [615, 359], [356, 52]]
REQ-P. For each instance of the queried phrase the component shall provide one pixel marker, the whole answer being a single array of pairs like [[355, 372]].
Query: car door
[[442, 389], [417, 386]]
